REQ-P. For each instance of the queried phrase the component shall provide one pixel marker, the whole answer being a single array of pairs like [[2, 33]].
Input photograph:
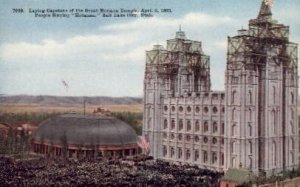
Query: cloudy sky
[[106, 56]]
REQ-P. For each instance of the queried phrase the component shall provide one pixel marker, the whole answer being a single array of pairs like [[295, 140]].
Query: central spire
[[180, 34], [265, 9]]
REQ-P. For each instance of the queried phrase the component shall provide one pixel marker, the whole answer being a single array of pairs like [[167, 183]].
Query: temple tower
[[182, 69], [261, 90]]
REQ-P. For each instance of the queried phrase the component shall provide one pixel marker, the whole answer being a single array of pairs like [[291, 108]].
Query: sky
[[99, 56]]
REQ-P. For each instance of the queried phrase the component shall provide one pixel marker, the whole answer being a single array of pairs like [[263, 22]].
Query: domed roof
[[85, 131]]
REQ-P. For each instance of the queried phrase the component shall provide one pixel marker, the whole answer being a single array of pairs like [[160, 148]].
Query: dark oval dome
[[85, 130]]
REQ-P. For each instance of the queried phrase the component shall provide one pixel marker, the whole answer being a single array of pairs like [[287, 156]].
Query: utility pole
[[84, 105]]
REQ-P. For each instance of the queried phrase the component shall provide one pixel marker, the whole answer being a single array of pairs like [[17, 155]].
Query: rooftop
[[85, 130]]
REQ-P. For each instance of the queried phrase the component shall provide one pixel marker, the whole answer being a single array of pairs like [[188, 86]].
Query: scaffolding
[[265, 44], [181, 55], [250, 48]]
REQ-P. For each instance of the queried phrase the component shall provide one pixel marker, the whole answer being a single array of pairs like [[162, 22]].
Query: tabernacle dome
[[84, 136]]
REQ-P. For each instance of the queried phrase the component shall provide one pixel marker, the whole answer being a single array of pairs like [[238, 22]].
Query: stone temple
[[252, 124]]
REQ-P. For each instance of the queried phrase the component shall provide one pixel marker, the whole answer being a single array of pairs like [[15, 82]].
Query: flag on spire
[[265, 10], [269, 3]]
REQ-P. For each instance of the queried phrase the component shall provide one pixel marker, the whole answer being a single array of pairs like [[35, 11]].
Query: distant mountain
[[67, 101]]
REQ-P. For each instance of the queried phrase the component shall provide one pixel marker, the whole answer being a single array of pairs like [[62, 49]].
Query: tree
[[10, 142]]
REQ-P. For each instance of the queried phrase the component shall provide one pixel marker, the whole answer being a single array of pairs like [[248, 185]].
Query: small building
[[82, 136], [27, 128], [235, 177]]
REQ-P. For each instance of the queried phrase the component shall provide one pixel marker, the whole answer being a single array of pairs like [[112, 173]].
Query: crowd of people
[[134, 172]]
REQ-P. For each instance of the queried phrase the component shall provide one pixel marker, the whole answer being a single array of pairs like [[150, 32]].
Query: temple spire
[[265, 9], [180, 34]]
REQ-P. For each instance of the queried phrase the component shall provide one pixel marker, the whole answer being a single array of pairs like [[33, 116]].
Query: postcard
[[149, 92]]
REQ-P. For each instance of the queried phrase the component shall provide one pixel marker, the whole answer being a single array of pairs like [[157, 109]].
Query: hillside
[[66, 100]]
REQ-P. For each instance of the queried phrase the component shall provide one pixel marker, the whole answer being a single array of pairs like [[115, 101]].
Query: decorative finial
[[180, 28]]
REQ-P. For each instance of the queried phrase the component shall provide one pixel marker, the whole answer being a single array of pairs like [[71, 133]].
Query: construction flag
[[269, 3], [66, 85]]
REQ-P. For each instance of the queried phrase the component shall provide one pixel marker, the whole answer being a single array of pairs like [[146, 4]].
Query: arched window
[[214, 141], [215, 127], [173, 124], [232, 147], [233, 114], [292, 127], [196, 156], [180, 109], [274, 95], [233, 162], [188, 154], [233, 96], [173, 108], [274, 159], [292, 113], [250, 147], [172, 152], [149, 111], [250, 129], [165, 123], [274, 122], [292, 144], [179, 153], [292, 79], [205, 156], [179, 137], [165, 135], [164, 150], [215, 110], [233, 127], [172, 136], [250, 114], [189, 109], [250, 97], [292, 98], [188, 125], [188, 138], [250, 79], [197, 126], [222, 159], [205, 128], [166, 108], [180, 124], [149, 123], [250, 163], [214, 157], [222, 128]]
